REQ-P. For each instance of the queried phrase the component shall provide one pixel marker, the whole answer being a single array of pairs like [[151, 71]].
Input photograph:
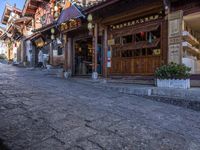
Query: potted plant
[[173, 76]]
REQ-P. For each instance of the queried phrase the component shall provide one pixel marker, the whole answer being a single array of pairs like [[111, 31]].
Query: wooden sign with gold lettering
[[72, 24]]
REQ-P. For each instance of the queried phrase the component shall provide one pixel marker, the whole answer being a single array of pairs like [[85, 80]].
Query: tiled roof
[[70, 13]]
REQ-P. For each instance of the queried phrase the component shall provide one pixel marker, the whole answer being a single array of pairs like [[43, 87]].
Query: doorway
[[83, 57]]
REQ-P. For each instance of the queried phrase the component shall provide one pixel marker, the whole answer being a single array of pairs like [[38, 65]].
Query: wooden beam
[[100, 6], [7, 16], [105, 49], [95, 46], [138, 12], [39, 0], [32, 5], [30, 11]]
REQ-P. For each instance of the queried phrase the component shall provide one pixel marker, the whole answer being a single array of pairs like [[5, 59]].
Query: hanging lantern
[[90, 18], [52, 37], [52, 30], [90, 26], [56, 8], [56, 15], [142, 34]]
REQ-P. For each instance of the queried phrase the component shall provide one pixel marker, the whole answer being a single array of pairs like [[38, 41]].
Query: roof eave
[[98, 6]]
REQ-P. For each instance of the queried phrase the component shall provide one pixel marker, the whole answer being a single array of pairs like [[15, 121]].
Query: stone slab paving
[[46, 113]]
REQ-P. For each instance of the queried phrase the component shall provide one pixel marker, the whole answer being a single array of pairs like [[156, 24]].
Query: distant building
[[11, 35], [3, 49]]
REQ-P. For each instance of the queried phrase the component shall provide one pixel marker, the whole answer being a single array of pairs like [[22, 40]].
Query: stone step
[[143, 82]]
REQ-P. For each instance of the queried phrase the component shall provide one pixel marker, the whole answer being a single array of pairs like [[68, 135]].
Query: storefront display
[[83, 57], [136, 48]]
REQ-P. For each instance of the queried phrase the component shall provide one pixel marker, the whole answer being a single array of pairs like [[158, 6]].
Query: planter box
[[172, 83]]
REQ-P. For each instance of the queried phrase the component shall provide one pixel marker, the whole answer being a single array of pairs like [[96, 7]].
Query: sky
[[19, 3]]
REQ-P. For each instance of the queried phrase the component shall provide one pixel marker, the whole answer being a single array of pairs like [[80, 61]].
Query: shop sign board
[[174, 53], [111, 42], [39, 42], [175, 37], [70, 25]]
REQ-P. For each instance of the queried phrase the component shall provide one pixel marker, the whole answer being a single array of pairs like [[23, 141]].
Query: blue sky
[[19, 3]]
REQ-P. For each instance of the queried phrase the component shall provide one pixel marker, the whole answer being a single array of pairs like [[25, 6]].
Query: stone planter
[[173, 83]]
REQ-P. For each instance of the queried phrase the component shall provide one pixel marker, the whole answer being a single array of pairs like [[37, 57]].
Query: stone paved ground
[[45, 113]]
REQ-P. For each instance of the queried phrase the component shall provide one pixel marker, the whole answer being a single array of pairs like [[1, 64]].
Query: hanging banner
[[111, 42]]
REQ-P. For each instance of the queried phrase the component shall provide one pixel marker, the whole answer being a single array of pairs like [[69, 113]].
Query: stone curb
[[188, 94]]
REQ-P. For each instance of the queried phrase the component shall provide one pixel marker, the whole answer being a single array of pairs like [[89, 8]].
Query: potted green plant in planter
[[173, 76]]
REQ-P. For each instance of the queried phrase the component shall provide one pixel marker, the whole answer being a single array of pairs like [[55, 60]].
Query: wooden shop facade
[[139, 36], [133, 34], [78, 42]]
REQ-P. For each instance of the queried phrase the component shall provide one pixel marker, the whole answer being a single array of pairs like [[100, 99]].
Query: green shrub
[[173, 71], [2, 56]]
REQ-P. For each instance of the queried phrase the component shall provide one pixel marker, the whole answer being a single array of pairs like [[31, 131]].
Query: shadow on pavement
[[2, 146]]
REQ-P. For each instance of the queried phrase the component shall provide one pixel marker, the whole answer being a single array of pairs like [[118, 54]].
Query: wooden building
[[133, 36], [79, 52], [139, 36], [78, 47], [45, 35], [12, 33]]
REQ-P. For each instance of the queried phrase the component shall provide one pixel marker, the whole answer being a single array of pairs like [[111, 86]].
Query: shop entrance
[[83, 57], [191, 42], [137, 50]]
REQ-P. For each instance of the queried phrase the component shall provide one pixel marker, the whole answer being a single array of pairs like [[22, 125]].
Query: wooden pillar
[[33, 60], [51, 54], [95, 46], [105, 51], [65, 52], [69, 55]]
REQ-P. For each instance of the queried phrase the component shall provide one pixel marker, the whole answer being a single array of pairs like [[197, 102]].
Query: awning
[[70, 13]]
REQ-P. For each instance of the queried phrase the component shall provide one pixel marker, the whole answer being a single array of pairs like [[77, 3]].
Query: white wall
[[2, 47], [28, 48]]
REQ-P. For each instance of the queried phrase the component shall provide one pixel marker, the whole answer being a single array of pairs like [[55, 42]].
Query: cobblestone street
[[39, 112]]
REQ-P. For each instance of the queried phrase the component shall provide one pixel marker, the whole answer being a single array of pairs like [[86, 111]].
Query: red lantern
[[142, 34]]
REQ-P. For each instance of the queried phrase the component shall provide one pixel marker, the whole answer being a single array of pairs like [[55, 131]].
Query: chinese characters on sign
[[175, 33], [174, 55], [70, 25]]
